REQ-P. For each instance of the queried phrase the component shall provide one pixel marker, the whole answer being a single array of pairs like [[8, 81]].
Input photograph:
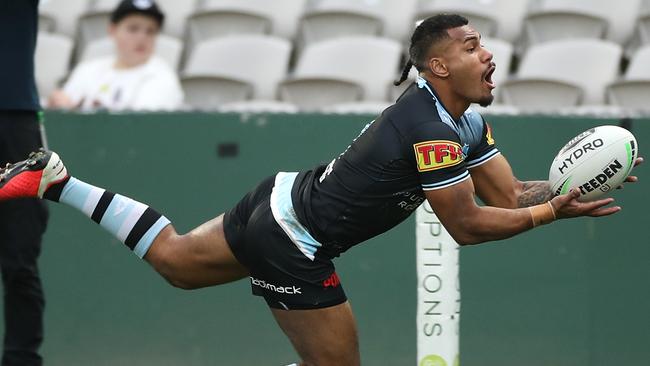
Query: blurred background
[[559, 56]]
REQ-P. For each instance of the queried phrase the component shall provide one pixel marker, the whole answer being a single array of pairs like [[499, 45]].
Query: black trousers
[[22, 223]]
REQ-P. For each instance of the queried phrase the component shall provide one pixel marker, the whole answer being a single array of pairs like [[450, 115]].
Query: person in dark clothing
[[22, 221]]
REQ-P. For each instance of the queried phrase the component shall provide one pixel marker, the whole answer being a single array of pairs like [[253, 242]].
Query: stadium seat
[[644, 28], [483, 18], [397, 16], [46, 23], [176, 14], [314, 93], [167, 47], [369, 62], [92, 25], [334, 19], [557, 19], [63, 13], [641, 34], [236, 59], [493, 18], [282, 14], [51, 61], [208, 24], [633, 91], [103, 5], [563, 73], [210, 92]]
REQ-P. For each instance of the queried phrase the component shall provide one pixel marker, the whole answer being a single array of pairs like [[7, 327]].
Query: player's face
[[134, 38], [470, 66]]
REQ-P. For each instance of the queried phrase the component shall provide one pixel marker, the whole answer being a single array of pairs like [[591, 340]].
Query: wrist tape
[[542, 214]]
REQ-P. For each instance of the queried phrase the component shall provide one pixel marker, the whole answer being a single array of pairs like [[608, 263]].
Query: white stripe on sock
[[136, 211], [92, 200]]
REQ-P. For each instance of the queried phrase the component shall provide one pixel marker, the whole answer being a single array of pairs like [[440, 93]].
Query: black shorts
[[279, 271]]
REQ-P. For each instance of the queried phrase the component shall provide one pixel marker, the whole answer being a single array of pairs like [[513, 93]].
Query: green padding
[[571, 293]]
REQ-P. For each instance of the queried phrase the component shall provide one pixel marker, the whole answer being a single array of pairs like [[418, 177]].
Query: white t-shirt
[[98, 84]]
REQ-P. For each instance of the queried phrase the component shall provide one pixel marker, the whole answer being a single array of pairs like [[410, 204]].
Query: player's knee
[[167, 264]]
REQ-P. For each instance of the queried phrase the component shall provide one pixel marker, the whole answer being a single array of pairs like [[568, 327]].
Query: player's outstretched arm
[[469, 223], [496, 185]]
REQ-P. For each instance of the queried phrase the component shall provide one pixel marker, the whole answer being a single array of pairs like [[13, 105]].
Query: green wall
[[572, 293]]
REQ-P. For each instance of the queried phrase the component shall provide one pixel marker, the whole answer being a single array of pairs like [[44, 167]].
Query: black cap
[[143, 7]]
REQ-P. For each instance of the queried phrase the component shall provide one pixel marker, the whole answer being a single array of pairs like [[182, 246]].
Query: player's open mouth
[[487, 77]]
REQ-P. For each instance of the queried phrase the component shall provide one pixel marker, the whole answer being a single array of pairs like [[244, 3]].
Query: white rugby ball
[[595, 162]]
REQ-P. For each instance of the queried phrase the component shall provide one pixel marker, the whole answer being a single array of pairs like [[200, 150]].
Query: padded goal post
[[438, 292]]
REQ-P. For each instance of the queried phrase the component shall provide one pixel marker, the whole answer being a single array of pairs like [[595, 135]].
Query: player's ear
[[438, 67]]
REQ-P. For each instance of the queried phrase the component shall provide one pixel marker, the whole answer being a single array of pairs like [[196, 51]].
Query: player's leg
[[300, 286], [322, 337], [197, 259]]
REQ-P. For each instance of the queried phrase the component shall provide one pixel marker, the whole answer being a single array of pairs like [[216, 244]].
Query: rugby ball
[[594, 162]]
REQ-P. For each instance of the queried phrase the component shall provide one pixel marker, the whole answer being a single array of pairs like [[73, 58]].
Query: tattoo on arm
[[533, 193]]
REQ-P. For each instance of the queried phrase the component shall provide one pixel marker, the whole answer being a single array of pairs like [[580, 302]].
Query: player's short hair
[[429, 32]]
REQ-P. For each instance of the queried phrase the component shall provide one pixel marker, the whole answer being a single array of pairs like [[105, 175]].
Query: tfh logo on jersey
[[437, 154]]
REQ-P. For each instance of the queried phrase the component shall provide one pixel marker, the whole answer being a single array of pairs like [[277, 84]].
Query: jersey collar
[[445, 116]]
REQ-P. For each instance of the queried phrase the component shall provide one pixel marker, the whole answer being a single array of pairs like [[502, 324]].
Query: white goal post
[[438, 310]]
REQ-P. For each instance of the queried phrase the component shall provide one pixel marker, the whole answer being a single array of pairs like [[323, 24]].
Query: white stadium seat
[[314, 93], [327, 19], [63, 13], [369, 62], [556, 19], [103, 5], [633, 91], [46, 23], [236, 59], [641, 34], [92, 26], [493, 18], [210, 92], [339, 20], [482, 18], [51, 61], [563, 73], [396, 16], [282, 14], [176, 14], [168, 48], [208, 24]]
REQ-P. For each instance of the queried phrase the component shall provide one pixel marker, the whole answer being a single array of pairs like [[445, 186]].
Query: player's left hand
[[633, 178]]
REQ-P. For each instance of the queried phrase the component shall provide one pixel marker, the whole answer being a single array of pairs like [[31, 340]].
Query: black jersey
[[378, 181]]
